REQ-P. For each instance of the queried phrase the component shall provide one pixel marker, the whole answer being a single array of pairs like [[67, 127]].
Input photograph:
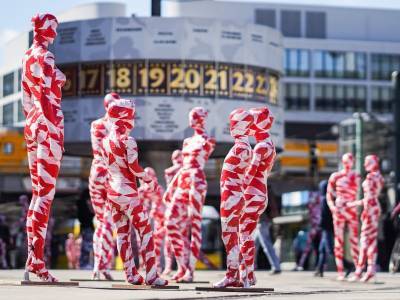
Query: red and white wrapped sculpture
[[255, 192], [128, 213], [372, 186], [42, 83], [154, 193], [103, 241], [342, 191], [233, 172], [186, 201], [169, 174]]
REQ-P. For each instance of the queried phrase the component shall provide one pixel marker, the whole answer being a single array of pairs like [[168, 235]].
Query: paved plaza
[[288, 285]]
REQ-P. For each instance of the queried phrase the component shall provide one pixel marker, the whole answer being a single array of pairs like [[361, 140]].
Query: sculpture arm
[[46, 93], [258, 154], [27, 102], [133, 161]]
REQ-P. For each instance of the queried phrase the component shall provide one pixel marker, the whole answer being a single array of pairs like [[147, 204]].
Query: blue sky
[[15, 15]]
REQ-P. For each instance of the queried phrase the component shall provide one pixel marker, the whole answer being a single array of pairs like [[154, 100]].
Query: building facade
[[337, 61]]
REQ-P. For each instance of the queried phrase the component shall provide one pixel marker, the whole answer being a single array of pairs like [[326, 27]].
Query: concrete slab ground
[[288, 286]]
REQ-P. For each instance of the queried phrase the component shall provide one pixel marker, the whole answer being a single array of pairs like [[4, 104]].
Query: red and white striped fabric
[[233, 171], [128, 213], [169, 174], [256, 193], [372, 186], [184, 210], [41, 84], [341, 192], [103, 242]]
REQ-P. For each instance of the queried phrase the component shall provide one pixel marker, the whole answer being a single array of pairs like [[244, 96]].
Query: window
[[21, 116], [8, 114], [382, 99], [19, 79], [335, 64], [297, 96], [297, 62], [383, 65], [265, 17], [8, 84], [343, 98], [316, 25], [8, 148], [291, 23]]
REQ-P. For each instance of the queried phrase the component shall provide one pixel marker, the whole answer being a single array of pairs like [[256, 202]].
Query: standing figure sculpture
[[232, 193], [169, 176], [187, 201], [103, 235], [372, 186], [128, 213], [157, 211], [42, 84], [256, 193], [342, 190]]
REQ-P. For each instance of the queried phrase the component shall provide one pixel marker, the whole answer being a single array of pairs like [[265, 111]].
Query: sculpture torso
[[372, 186], [98, 132], [345, 185], [264, 152], [196, 151], [42, 83], [235, 165]]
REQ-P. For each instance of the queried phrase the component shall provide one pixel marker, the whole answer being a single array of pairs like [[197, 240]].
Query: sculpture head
[[150, 173], [44, 28], [263, 120], [371, 163], [109, 98], [121, 114], [197, 118], [240, 122], [347, 161], [177, 157]]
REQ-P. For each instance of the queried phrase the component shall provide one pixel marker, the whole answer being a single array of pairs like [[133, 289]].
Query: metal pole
[[359, 143], [396, 119], [359, 149]]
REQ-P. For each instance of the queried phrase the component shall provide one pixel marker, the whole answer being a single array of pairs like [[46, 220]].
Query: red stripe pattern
[[186, 194], [372, 186], [342, 191], [128, 213], [41, 84]]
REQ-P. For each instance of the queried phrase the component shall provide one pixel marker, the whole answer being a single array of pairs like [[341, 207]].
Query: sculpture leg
[[158, 235], [48, 165], [106, 243], [197, 196], [254, 206], [123, 225], [32, 160], [141, 222], [338, 224], [176, 221], [352, 221], [168, 255], [230, 210]]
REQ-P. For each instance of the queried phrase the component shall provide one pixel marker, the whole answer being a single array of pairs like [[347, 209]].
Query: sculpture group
[[169, 221]]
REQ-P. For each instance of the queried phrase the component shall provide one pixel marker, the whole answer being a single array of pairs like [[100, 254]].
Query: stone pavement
[[288, 286]]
